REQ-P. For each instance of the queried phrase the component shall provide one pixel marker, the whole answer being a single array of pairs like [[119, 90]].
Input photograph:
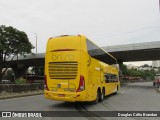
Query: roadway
[[132, 97]]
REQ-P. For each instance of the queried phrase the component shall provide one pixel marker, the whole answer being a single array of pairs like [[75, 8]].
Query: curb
[[20, 95]]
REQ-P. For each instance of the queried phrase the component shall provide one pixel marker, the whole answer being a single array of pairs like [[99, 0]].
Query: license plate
[[61, 95]]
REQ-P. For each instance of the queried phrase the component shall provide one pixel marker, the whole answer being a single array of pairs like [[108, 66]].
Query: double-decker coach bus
[[78, 70]]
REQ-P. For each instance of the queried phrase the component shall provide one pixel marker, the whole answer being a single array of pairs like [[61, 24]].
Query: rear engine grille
[[63, 70]]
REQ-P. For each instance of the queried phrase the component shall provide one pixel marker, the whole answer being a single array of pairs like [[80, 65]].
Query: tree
[[145, 74], [12, 42], [146, 65], [124, 69], [158, 70]]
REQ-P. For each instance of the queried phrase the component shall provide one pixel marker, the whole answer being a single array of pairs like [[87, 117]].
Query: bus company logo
[[61, 57], [6, 114], [21, 114]]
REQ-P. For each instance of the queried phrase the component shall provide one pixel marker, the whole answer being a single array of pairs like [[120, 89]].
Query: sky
[[105, 22]]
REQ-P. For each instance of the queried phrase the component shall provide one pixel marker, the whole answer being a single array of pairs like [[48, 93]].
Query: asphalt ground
[[131, 97]]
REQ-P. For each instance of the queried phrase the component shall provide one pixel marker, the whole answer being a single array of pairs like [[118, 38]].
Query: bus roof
[[97, 53], [101, 55]]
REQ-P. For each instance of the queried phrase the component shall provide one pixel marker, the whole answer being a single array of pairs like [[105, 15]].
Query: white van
[[5, 81]]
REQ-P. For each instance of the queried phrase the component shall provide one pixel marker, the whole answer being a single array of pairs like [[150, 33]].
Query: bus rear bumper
[[60, 96]]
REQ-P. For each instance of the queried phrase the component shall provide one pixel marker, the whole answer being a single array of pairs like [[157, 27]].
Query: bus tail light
[[45, 83], [81, 84]]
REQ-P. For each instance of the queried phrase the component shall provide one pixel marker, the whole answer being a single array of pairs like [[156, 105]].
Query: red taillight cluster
[[45, 83], [81, 84]]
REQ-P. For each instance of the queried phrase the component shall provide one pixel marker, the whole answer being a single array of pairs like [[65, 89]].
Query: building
[[130, 66], [156, 63], [144, 68]]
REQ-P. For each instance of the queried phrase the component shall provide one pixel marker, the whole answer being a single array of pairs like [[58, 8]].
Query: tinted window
[[99, 54], [111, 78]]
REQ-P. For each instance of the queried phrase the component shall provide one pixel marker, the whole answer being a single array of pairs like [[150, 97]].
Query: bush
[[21, 81]]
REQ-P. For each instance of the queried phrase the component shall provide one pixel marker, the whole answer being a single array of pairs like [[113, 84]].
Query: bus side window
[[113, 78], [116, 80], [106, 78]]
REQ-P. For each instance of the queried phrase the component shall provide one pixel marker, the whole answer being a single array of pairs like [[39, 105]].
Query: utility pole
[[35, 67], [36, 42]]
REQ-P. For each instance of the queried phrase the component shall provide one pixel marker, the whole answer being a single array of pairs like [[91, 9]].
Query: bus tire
[[116, 90], [97, 98], [102, 95]]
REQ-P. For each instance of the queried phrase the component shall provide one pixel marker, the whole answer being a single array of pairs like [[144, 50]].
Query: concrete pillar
[[120, 70]]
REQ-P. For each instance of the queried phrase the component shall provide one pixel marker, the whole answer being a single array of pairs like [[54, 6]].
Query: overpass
[[147, 51], [124, 53]]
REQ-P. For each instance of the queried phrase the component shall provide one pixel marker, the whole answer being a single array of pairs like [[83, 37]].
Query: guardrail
[[18, 88]]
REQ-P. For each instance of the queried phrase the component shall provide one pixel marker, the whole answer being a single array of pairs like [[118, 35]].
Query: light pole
[[35, 70], [36, 42]]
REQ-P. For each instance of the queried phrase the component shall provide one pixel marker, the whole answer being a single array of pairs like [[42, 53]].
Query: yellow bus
[[78, 70]]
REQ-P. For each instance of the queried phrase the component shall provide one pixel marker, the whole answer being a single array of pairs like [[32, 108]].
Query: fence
[[17, 88]]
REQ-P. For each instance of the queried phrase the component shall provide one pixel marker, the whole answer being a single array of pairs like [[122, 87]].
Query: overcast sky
[[105, 22]]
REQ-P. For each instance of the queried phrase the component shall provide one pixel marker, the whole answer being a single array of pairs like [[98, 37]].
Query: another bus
[[78, 70]]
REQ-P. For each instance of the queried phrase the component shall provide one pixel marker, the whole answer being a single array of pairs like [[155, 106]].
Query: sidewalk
[[23, 94]]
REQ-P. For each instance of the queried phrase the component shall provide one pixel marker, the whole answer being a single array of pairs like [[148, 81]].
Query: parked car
[[5, 81], [156, 81]]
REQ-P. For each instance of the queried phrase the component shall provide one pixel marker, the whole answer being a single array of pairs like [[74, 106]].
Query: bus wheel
[[116, 90], [97, 98], [102, 95]]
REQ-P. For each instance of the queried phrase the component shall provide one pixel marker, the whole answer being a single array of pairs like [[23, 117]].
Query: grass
[[21, 81]]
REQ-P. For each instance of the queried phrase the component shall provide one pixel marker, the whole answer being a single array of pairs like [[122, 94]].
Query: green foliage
[[134, 72], [21, 81], [145, 74], [145, 65], [124, 69], [12, 42]]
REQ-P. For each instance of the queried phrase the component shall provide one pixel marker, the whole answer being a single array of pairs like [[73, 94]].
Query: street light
[[36, 42], [35, 70]]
